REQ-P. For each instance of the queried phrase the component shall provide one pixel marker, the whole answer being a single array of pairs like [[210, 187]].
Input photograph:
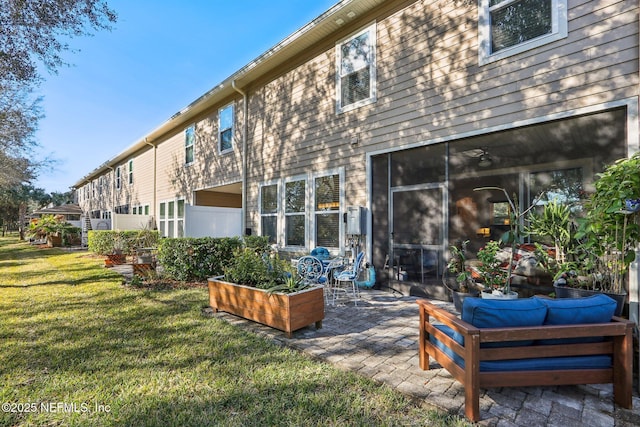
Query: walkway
[[379, 339]]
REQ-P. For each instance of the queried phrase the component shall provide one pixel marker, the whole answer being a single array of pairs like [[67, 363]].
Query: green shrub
[[103, 242], [260, 270], [189, 259]]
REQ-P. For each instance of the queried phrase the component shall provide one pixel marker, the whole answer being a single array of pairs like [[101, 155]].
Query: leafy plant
[[555, 225], [260, 270], [513, 238], [457, 266], [48, 225], [610, 229], [292, 283], [493, 275]]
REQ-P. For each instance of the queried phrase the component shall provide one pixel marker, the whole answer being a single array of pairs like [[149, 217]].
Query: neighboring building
[[400, 107]]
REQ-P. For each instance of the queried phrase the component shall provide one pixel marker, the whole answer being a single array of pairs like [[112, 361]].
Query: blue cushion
[[493, 313], [320, 253], [534, 364], [597, 308], [572, 311]]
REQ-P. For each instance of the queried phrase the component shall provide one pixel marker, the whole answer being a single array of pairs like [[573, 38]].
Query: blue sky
[[160, 56]]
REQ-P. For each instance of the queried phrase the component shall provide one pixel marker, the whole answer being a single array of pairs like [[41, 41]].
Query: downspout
[[245, 130], [113, 190], [155, 169]]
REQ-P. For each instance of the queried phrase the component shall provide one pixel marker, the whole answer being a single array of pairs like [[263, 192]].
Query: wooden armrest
[[446, 318]]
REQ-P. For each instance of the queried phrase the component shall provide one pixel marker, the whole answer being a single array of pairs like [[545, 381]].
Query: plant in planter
[[145, 242], [500, 282], [259, 286], [51, 227], [609, 234], [556, 226], [465, 285], [492, 272]]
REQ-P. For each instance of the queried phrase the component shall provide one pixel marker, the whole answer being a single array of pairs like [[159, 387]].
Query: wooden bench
[[481, 357]]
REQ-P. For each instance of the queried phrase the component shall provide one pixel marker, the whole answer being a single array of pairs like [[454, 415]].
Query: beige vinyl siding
[[142, 187], [170, 164], [430, 86]]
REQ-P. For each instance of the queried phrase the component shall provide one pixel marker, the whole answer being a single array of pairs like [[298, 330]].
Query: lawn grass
[[77, 347]]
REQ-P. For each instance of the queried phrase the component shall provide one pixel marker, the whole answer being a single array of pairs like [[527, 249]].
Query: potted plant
[[145, 241], [609, 235], [51, 228], [493, 273], [464, 286], [496, 279], [259, 286]]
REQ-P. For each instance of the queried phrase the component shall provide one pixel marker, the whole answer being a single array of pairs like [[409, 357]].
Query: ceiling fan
[[485, 159]]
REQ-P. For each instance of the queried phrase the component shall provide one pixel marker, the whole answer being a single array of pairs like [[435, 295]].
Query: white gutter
[[245, 129]]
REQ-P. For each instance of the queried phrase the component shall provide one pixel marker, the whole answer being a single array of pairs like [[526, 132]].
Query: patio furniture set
[[336, 275]]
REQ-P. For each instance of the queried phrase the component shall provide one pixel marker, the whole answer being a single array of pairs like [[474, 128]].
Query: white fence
[[132, 222], [206, 221]]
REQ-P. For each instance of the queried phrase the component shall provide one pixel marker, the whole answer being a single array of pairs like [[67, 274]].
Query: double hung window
[[130, 171], [118, 178], [225, 129], [356, 70], [295, 213], [303, 211], [327, 210], [189, 144], [269, 211]]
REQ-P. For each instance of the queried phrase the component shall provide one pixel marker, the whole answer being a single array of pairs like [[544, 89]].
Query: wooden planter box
[[286, 312], [114, 259]]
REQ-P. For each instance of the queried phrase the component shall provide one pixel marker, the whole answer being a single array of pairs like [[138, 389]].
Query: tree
[[16, 201], [35, 31], [19, 115]]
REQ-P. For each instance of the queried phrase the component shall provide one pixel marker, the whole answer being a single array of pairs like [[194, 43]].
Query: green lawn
[[77, 347]]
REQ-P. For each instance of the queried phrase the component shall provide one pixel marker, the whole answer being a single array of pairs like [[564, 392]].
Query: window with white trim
[[189, 144], [508, 27], [327, 210], [171, 218], [356, 70], [118, 177], [225, 129], [303, 211], [162, 219], [180, 218], [130, 170], [295, 212], [269, 212]]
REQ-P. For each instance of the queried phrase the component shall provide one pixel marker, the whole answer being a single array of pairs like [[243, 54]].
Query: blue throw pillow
[[493, 313], [597, 308], [572, 311]]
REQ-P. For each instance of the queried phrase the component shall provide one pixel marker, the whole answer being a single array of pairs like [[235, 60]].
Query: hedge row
[[196, 259], [103, 242]]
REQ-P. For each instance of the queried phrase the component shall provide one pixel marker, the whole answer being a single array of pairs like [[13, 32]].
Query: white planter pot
[[496, 294]]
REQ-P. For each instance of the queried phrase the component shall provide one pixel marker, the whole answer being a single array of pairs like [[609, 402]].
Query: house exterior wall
[[430, 88]]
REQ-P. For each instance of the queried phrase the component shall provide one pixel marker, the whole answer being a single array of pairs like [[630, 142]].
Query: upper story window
[[225, 129], [118, 178], [508, 27], [356, 70], [189, 144], [130, 169]]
